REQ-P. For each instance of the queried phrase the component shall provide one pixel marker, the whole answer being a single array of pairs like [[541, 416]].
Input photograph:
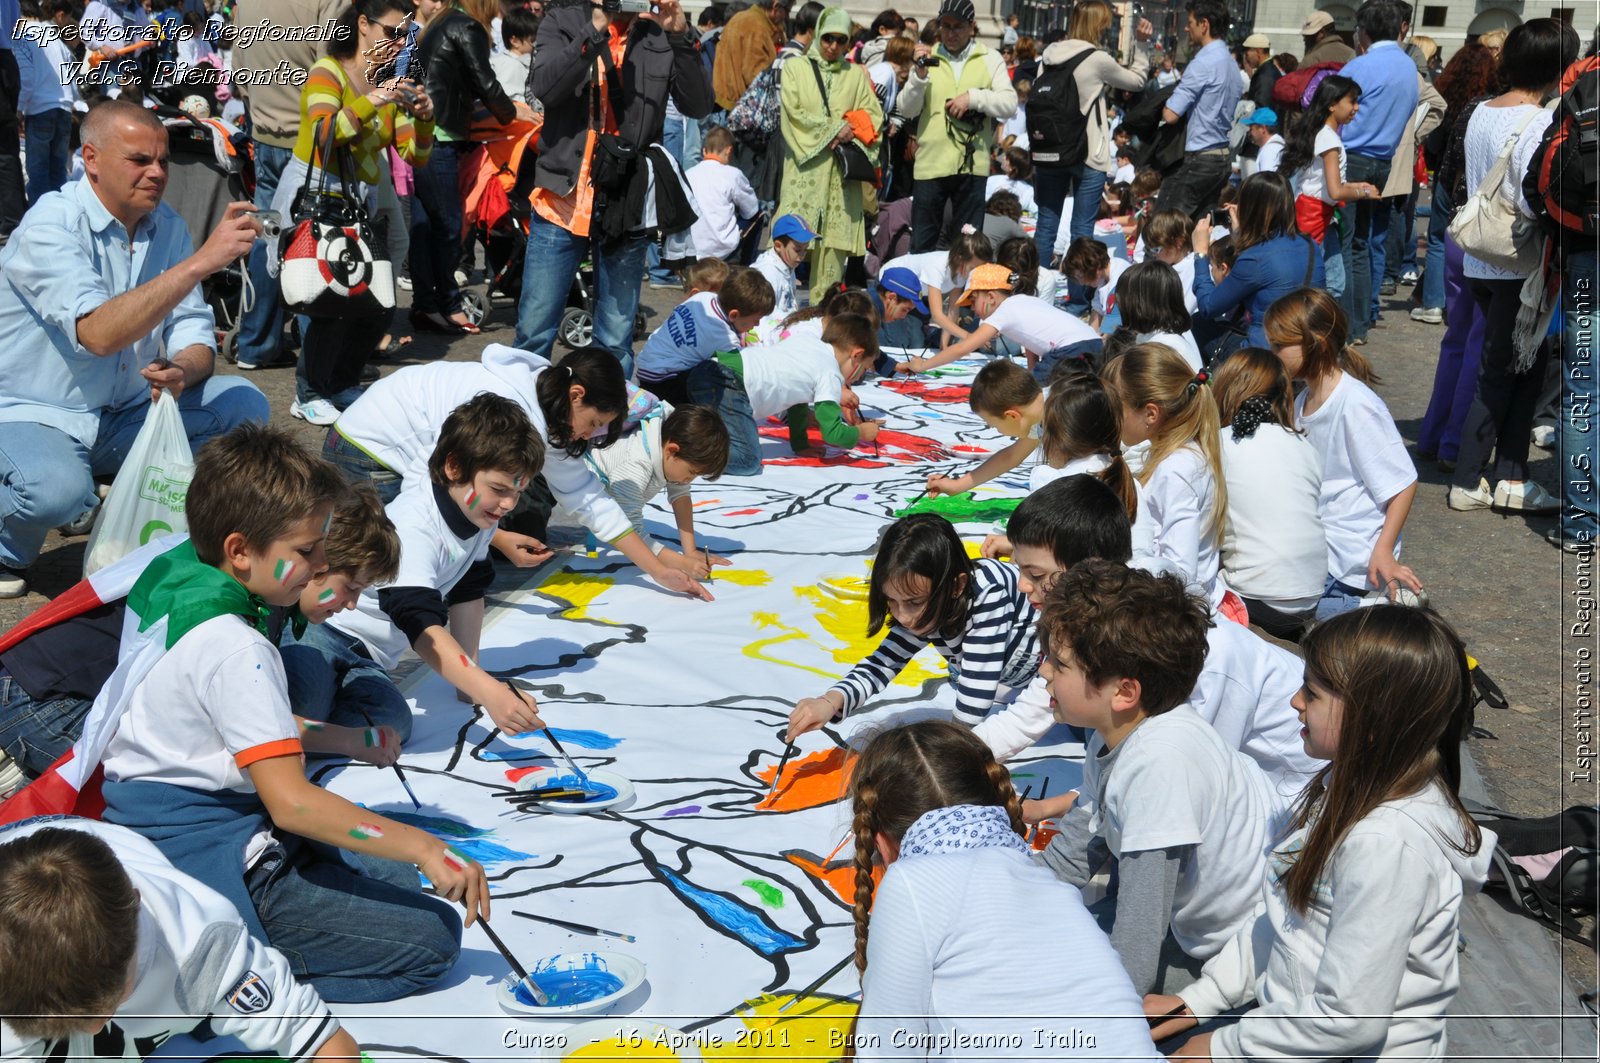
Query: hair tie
[[1252, 414], [568, 367], [967, 230], [1201, 377]]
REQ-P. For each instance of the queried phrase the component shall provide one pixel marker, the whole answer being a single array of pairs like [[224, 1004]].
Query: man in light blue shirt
[[1388, 80], [1208, 96], [100, 309]]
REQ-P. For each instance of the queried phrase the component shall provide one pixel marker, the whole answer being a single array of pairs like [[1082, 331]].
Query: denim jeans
[[47, 477], [1439, 215], [1455, 381], [359, 467], [436, 232], [1338, 598], [1401, 253], [261, 328], [49, 142], [1362, 244], [1051, 187], [332, 680], [1085, 353], [552, 261], [35, 733], [714, 384], [1333, 256], [1501, 418], [356, 936], [1578, 423], [1383, 224], [964, 193]]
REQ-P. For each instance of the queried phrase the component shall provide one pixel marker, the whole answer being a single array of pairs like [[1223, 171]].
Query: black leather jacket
[[655, 64], [454, 56]]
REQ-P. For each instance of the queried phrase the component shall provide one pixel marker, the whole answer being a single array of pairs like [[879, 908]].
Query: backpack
[[1560, 184], [1057, 127], [1293, 92], [1550, 866], [754, 119]]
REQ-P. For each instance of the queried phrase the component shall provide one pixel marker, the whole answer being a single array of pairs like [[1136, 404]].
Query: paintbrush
[[788, 747], [396, 765], [553, 741], [818, 984], [1157, 1020], [707, 551], [579, 927], [1044, 788], [539, 995]]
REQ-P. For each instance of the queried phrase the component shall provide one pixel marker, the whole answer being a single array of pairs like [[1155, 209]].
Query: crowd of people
[[1171, 264]]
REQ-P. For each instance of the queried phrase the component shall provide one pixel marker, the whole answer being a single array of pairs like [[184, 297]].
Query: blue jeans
[[1338, 598], [359, 467], [49, 142], [1439, 215], [1362, 244], [332, 680], [35, 733], [436, 232], [1578, 395], [552, 261], [1085, 353], [261, 329], [356, 936], [714, 384], [47, 477], [1051, 187], [1383, 224]]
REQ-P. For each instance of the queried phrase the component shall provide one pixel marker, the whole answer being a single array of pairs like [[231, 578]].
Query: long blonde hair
[[1155, 374], [1090, 20]]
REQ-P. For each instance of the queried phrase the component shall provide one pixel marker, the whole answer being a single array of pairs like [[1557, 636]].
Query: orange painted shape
[[808, 781], [839, 875]]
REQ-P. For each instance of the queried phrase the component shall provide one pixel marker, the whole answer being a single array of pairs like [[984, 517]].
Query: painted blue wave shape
[[477, 843], [585, 739], [741, 920]]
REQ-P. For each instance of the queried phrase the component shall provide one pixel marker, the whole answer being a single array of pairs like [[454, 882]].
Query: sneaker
[[83, 525], [315, 411], [1428, 315], [462, 278], [1526, 497], [1544, 436], [667, 285], [403, 282], [13, 584], [1462, 500], [280, 360], [1410, 276], [11, 777], [1358, 341], [1565, 543], [1388, 287]]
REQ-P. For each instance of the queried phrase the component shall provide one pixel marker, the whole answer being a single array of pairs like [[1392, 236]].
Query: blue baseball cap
[[1261, 116], [794, 227], [905, 284]]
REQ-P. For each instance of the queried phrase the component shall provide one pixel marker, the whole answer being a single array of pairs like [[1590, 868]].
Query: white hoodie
[[1370, 969]]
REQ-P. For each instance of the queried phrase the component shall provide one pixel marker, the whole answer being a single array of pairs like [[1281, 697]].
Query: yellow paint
[[814, 1029], [743, 577], [846, 620], [974, 550], [755, 650], [578, 589], [619, 1048]]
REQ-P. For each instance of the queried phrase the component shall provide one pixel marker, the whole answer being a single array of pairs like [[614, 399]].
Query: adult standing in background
[[886, 26], [1208, 96], [1263, 133], [955, 96], [749, 44], [1388, 80], [1323, 45], [1265, 69], [12, 197], [272, 111]]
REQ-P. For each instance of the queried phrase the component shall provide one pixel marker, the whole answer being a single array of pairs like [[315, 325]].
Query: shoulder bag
[[333, 263], [854, 162], [1491, 229]]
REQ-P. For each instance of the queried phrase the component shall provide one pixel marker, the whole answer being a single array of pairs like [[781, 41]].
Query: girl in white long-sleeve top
[[1354, 956]]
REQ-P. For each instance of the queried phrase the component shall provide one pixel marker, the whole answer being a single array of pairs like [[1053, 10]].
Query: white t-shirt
[[1016, 126], [1184, 344], [1364, 465], [1175, 783], [1310, 176], [1051, 284], [1181, 493], [214, 704], [1037, 325], [798, 370], [1124, 175], [1186, 267], [632, 472], [1022, 189], [1270, 155], [1106, 293], [1273, 547], [695, 331], [931, 267], [782, 279], [723, 195], [1144, 526]]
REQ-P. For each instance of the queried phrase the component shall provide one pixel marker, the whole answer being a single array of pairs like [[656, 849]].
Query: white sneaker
[[1526, 497], [11, 777], [1544, 436], [403, 282], [1461, 499], [317, 411], [1408, 277], [1428, 315], [13, 584]]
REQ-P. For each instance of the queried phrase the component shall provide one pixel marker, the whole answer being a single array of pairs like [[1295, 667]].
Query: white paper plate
[[630, 970], [603, 1030], [539, 779]]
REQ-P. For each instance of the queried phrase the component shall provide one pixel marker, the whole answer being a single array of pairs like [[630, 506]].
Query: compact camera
[[628, 7], [271, 223], [923, 62]]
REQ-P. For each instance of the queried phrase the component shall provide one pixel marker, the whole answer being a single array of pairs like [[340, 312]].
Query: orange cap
[[987, 278]]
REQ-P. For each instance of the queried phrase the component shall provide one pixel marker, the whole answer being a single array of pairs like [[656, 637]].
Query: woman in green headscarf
[[818, 90]]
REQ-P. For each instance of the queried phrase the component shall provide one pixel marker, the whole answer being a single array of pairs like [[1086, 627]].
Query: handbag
[[1491, 229], [854, 162], [755, 118], [334, 266]]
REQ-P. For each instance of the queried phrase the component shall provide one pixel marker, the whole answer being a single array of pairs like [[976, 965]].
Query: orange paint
[[517, 774], [1041, 837], [812, 780], [839, 875]]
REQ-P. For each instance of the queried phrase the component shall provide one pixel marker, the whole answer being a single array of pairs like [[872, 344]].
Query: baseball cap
[[1261, 116], [961, 9], [794, 227], [1315, 23], [988, 277], [905, 284], [1257, 40]]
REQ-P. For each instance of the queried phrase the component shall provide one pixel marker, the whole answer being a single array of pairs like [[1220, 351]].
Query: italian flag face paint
[[471, 498], [366, 832], [455, 859], [326, 596], [284, 571], [374, 737], [312, 725]]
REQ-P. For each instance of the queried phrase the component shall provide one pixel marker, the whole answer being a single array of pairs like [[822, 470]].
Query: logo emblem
[[251, 996]]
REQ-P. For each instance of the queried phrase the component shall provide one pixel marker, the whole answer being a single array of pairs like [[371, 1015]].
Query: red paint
[[917, 389], [740, 512], [894, 448], [518, 774], [465, 662], [965, 449]]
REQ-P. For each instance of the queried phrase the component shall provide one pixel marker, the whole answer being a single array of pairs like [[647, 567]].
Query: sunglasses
[[835, 38], [395, 32]]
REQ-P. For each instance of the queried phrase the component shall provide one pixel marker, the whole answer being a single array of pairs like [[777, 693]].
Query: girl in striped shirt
[[930, 593]]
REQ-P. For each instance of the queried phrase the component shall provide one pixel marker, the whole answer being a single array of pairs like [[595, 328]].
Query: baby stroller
[[211, 167]]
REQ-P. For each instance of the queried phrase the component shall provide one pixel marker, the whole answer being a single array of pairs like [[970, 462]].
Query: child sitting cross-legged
[[106, 948], [1188, 818], [205, 758], [700, 327]]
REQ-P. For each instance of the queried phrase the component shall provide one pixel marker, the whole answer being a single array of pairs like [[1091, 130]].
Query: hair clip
[[967, 230], [1202, 377]]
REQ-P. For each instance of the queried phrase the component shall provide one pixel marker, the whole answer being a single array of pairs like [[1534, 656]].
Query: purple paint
[[862, 497], [684, 811]]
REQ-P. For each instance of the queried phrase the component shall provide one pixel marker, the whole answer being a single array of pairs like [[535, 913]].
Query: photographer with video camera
[[604, 73], [956, 91]]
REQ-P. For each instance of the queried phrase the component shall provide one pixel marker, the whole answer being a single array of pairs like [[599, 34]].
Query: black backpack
[[1561, 184], [1058, 130], [1550, 866]]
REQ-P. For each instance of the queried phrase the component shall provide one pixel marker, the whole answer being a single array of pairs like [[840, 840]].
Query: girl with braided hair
[[960, 897]]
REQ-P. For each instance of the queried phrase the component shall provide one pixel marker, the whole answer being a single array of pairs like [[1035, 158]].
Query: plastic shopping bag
[[147, 497]]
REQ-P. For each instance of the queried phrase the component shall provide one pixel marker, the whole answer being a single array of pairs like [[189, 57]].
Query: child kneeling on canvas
[[1007, 399], [101, 937], [206, 758]]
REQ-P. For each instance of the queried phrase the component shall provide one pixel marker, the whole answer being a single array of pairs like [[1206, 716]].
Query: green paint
[[770, 895], [942, 371], [963, 509]]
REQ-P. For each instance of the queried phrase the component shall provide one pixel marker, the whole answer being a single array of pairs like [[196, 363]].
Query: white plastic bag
[[147, 497]]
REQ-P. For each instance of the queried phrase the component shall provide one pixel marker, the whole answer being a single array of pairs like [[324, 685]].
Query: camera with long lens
[[271, 223]]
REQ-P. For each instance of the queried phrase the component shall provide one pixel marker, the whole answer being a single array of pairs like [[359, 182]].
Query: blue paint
[[569, 984], [586, 739], [741, 920], [593, 790], [478, 844], [684, 811], [862, 497]]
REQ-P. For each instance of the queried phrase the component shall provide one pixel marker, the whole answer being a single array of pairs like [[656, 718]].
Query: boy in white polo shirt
[[790, 238], [723, 195], [698, 328]]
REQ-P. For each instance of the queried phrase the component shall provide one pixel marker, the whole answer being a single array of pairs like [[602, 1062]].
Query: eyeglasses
[[395, 32], [835, 39]]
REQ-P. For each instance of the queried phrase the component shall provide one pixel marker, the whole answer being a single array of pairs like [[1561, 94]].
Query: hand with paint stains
[[867, 431], [811, 713], [523, 551], [457, 877], [1038, 811], [1169, 1015], [995, 547], [672, 579], [378, 746], [698, 565], [940, 484]]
